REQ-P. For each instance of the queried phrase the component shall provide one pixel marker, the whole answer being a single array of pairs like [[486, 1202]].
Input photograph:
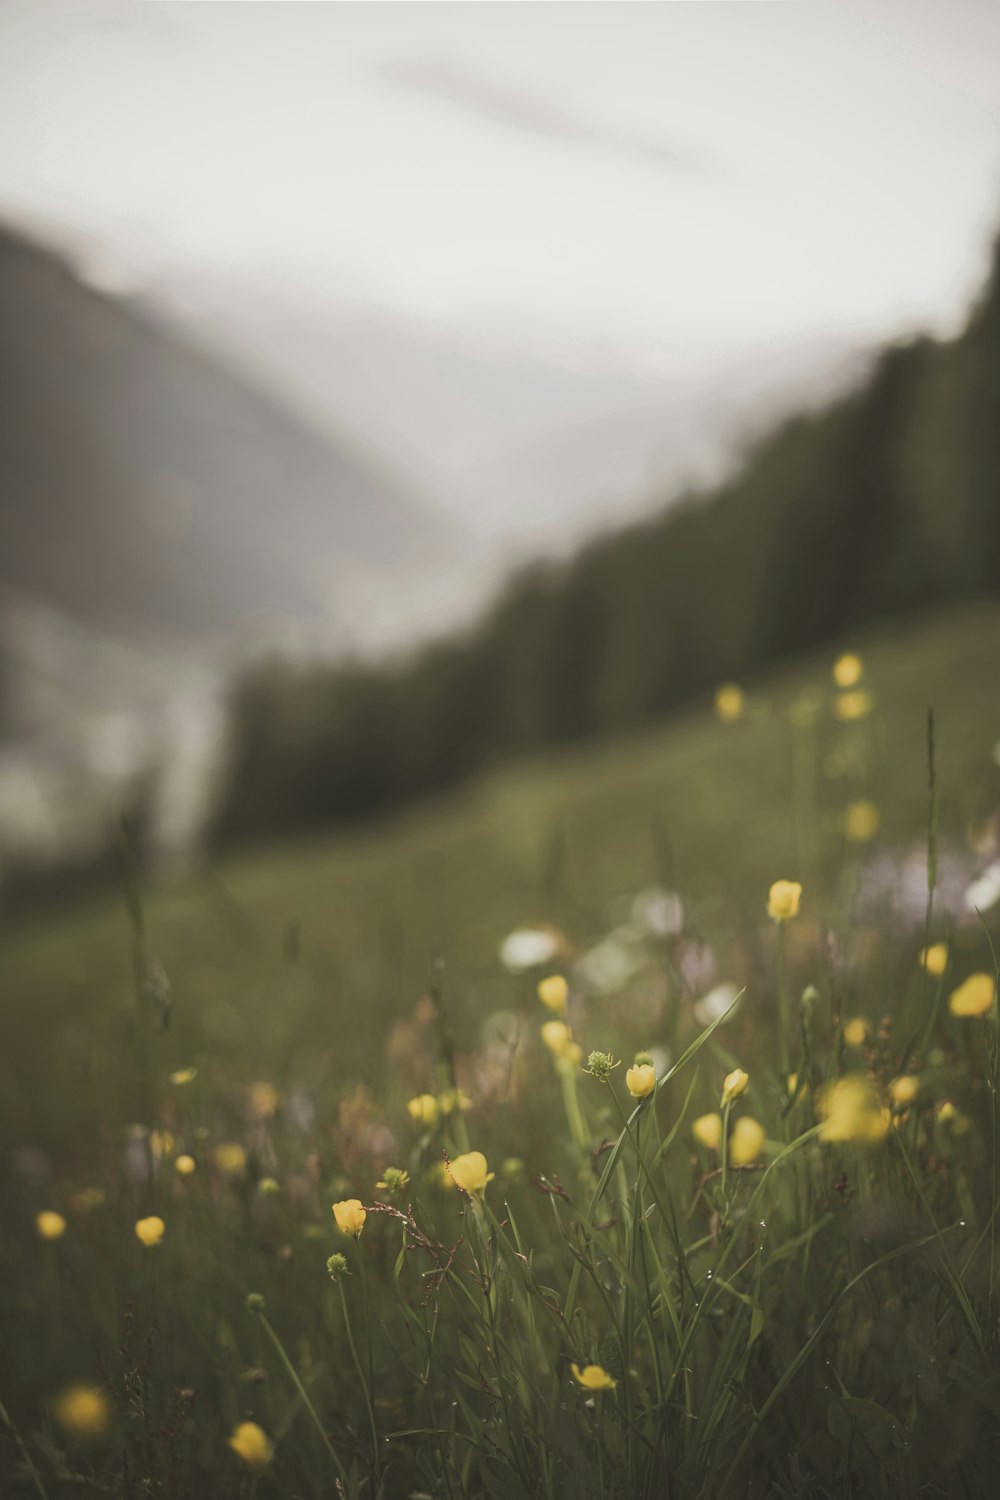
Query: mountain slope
[[144, 486]]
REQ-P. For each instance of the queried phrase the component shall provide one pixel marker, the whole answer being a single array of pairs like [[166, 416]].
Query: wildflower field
[[624, 1125]]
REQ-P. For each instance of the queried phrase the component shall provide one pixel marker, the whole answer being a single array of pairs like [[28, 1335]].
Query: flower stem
[[366, 1384], [303, 1394], [726, 1107], [782, 1003]]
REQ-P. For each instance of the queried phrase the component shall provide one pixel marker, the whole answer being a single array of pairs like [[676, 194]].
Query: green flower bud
[[336, 1266]]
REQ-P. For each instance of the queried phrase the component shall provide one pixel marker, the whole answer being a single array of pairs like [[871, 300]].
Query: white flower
[[715, 1004], [660, 912], [984, 892], [661, 1059], [610, 964], [527, 947]]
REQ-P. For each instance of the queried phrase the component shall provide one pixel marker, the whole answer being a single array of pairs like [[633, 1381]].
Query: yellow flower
[[851, 1112], [185, 1165], [557, 1037], [856, 1032], [849, 707], [150, 1231], [252, 1444], [83, 1411], [935, 959], [746, 1141], [554, 993], [350, 1216], [641, 1080], [974, 997], [734, 1085], [729, 702], [783, 900], [423, 1110], [183, 1076], [50, 1225], [707, 1129], [263, 1099], [593, 1377], [792, 1085], [469, 1172], [847, 670], [861, 821], [903, 1091], [946, 1112], [230, 1158], [573, 1055], [161, 1143]]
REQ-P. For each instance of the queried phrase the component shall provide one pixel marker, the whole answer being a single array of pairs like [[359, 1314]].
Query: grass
[[819, 1319]]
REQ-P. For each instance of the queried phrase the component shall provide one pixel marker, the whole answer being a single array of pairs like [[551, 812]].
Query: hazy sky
[[704, 175]]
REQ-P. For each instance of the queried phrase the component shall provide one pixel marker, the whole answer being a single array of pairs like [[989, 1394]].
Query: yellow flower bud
[[856, 1032], [729, 702], [851, 1112], [707, 1130], [183, 1076], [850, 707], [557, 1037], [593, 1377], [974, 997], [469, 1172], [903, 1091], [252, 1444], [746, 1141], [783, 900], [423, 1110], [185, 1165], [83, 1411], [734, 1085], [50, 1225], [150, 1232], [350, 1216], [861, 820], [641, 1080], [847, 670], [263, 1099], [935, 959], [161, 1143], [554, 993], [230, 1158]]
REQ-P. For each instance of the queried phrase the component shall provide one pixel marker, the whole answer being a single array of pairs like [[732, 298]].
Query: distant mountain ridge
[[144, 485]]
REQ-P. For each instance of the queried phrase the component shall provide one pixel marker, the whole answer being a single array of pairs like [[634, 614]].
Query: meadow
[[623, 1124]]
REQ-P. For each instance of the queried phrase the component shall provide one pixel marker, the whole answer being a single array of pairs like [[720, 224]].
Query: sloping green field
[[716, 811], [816, 1315]]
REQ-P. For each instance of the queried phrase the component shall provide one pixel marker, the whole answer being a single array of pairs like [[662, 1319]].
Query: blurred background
[[387, 391]]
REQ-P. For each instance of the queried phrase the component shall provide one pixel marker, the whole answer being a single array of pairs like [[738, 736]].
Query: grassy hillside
[[620, 1311], [706, 808]]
